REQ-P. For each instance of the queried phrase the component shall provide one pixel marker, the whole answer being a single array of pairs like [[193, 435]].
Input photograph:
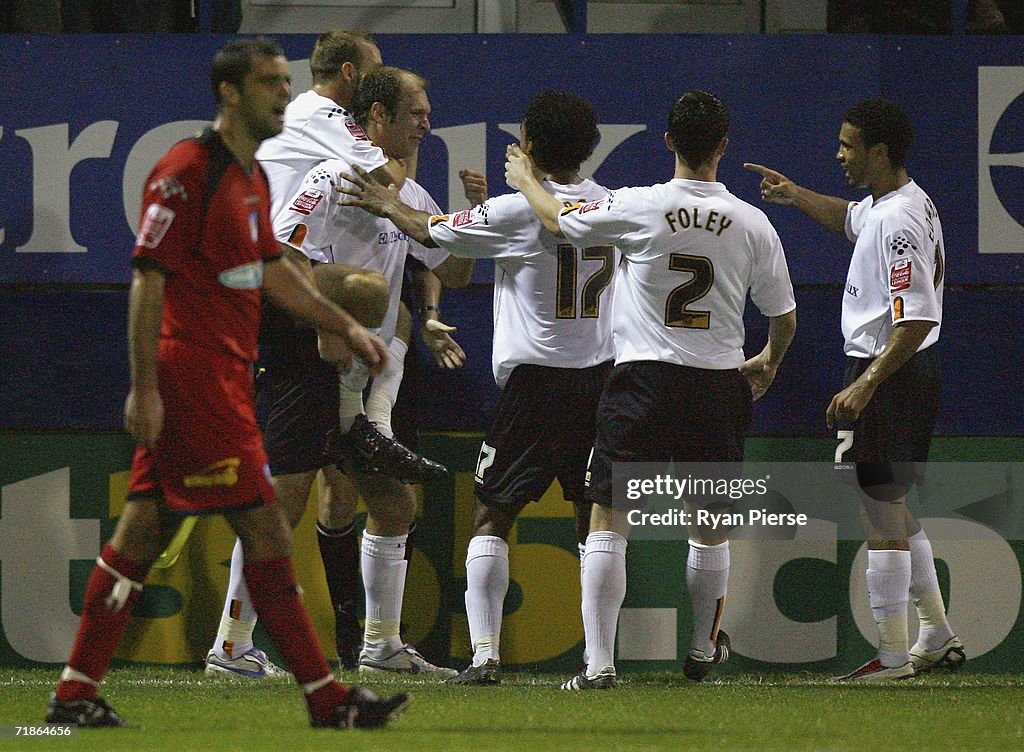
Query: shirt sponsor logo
[[155, 224], [851, 290], [244, 277], [899, 276], [306, 201], [463, 218], [222, 473]]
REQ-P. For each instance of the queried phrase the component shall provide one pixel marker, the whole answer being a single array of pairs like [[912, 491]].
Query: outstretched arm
[[521, 175], [382, 201], [776, 188], [761, 369]]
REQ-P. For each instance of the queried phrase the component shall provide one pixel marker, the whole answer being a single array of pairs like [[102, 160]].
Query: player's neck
[[889, 182], [334, 91], [707, 172], [565, 178], [236, 137]]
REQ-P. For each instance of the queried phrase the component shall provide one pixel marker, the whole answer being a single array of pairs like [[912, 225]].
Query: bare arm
[[474, 184], [905, 339], [435, 333], [776, 188], [521, 175], [290, 290], [383, 201], [760, 370], [144, 409]]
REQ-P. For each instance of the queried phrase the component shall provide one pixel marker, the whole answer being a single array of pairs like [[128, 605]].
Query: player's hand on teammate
[[518, 166], [475, 186], [446, 351], [144, 416], [776, 188], [367, 193], [759, 375]]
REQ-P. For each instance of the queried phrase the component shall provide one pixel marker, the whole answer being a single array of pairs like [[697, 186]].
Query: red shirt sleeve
[[171, 203]]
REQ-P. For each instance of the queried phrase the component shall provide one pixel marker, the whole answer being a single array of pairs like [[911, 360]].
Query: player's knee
[[367, 296], [494, 519]]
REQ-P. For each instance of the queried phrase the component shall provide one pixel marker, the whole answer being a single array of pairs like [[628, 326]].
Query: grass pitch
[[177, 709]]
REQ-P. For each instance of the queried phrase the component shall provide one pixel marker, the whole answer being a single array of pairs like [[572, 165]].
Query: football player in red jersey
[[204, 251]]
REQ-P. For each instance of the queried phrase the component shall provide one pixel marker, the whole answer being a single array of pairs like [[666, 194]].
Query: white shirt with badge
[[896, 271], [335, 234], [551, 299], [691, 252], [315, 128]]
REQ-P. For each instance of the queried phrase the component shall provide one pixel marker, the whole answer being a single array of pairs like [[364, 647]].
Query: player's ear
[[669, 143], [378, 112]]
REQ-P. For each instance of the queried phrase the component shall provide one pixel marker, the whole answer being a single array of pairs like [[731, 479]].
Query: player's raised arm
[[521, 175], [474, 184], [776, 188]]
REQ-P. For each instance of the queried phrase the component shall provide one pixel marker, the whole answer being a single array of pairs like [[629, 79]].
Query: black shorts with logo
[[894, 431], [657, 412], [543, 429]]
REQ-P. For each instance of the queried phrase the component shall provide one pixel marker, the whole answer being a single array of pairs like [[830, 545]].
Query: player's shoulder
[[185, 162]]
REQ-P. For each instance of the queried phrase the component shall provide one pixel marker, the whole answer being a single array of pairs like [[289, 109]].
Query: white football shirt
[[896, 271], [315, 129], [691, 251], [551, 299], [350, 235]]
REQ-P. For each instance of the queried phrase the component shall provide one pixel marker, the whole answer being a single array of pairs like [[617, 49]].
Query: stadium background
[[77, 140]]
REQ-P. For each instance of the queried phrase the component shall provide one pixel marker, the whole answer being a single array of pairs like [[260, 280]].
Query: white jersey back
[[691, 251], [896, 271], [551, 299], [315, 129], [348, 235]]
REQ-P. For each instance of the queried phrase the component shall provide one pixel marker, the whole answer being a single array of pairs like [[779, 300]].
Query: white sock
[[604, 588], [583, 553], [352, 382], [889, 592], [382, 560], [237, 622], [384, 390], [707, 580], [934, 629], [486, 586]]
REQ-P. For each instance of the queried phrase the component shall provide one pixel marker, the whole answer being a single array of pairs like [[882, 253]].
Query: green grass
[[176, 709]]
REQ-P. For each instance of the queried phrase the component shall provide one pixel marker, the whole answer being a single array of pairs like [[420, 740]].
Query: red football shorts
[[209, 459]]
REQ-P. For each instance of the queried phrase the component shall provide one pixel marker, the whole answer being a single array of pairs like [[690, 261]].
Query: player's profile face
[[852, 155], [266, 90]]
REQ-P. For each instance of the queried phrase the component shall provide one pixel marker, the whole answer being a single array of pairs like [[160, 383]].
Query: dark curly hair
[[883, 122], [697, 122], [562, 130]]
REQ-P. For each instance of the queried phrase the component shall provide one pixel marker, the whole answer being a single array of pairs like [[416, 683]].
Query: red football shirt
[[206, 224]]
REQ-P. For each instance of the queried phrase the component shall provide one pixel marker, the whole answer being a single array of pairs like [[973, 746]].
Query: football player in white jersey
[[552, 347], [885, 413], [298, 404], [392, 105], [691, 251]]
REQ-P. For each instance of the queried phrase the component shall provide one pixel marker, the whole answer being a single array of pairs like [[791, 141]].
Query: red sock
[[100, 629], [275, 596]]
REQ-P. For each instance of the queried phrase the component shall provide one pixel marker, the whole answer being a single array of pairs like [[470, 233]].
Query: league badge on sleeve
[[899, 276], [306, 201], [155, 224]]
